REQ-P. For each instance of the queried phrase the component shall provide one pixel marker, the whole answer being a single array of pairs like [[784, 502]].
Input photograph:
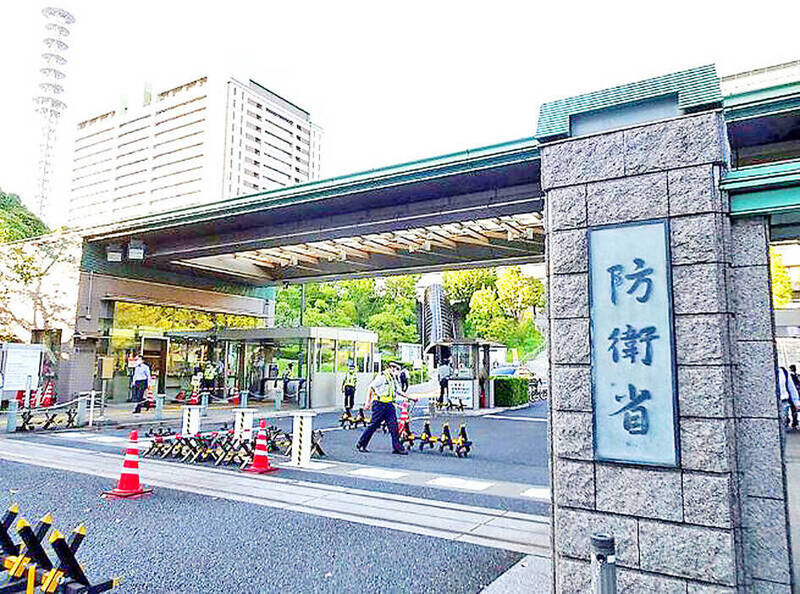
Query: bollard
[[191, 420], [278, 398], [243, 423], [11, 416], [91, 410], [301, 438], [604, 564], [160, 401], [243, 398], [82, 410], [204, 403]]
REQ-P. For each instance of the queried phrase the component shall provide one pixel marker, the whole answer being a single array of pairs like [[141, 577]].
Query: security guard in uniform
[[382, 392], [349, 388]]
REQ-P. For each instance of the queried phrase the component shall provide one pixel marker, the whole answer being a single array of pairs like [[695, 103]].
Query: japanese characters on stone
[[632, 360]]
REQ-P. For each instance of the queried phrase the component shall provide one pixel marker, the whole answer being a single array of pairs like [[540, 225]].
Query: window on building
[[363, 357], [326, 348], [345, 354]]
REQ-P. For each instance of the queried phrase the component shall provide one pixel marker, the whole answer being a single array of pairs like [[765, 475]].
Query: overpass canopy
[[468, 209]]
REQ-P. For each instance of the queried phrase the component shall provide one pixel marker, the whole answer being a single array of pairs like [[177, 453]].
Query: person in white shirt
[[141, 377], [789, 396]]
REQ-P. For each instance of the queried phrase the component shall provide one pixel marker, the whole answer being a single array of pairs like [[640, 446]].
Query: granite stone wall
[[718, 523]]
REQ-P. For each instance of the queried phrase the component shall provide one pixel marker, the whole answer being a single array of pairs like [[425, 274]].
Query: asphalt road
[[182, 542]]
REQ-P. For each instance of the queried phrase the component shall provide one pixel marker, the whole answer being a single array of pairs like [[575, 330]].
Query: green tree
[[395, 323], [517, 294], [483, 310], [781, 282], [388, 307], [509, 319], [16, 221], [461, 285]]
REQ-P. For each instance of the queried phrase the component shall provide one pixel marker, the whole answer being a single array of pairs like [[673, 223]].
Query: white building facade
[[202, 141]]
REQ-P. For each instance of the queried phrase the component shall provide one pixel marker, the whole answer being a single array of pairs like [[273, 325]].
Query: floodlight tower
[[48, 105]]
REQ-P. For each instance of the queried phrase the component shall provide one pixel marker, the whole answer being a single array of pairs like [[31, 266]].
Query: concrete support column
[[759, 439], [686, 529]]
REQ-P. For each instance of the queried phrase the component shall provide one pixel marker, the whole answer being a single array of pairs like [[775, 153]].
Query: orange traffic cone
[[403, 416], [194, 398], [48, 394], [235, 399], [129, 486], [260, 463]]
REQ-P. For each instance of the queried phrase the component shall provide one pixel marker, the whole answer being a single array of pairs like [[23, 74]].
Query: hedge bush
[[510, 391]]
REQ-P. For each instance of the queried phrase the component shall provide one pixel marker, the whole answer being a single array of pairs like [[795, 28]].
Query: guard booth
[[257, 359], [471, 360]]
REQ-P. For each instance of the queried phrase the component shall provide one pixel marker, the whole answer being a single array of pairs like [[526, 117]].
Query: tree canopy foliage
[[505, 312], [387, 306], [16, 221], [461, 285], [781, 282]]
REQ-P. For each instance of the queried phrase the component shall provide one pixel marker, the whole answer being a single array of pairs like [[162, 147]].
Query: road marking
[[525, 533], [507, 418], [107, 439], [309, 466], [459, 483], [378, 473], [537, 493]]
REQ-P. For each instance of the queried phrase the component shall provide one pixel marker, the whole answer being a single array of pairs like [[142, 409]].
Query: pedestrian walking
[[404, 380], [382, 392], [140, 379], [790, 395], [444, 371], [349, 388], [287, 377]]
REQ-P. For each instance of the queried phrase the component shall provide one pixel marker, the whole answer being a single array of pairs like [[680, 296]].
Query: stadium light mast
[[48, 105]]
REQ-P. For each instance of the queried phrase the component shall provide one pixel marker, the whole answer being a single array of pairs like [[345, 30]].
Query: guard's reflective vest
[[209, 372], [350, 380], [389, 396]]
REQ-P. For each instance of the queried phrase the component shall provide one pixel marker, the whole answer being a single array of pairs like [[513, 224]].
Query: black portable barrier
[[29, 566]]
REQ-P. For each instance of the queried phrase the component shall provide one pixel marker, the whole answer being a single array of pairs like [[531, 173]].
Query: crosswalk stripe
[[459, 483], [378, 473]]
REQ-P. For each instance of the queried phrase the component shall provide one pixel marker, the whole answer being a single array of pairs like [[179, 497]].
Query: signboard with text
[[633, 369], [21, 367], [462, 389]]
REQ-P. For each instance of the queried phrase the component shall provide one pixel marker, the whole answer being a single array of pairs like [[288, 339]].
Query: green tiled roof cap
[[696, 88]]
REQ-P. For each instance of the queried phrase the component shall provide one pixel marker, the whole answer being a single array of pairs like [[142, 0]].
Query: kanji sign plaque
[[633, 367]]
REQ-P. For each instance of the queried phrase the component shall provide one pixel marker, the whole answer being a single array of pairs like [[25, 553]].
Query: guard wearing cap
[[349, 388], [382, 392]]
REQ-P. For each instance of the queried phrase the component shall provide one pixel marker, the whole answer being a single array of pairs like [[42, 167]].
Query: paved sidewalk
[[524, 533], [530, 574]]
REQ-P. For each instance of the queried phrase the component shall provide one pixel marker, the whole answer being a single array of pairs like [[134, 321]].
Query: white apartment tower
[[202, 141]]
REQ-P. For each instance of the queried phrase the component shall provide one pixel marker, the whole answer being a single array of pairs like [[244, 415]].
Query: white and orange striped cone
[[235, 398], [48, 394], [404, 416], [260, 463], [149, 396], [195, 397], [129, 486]]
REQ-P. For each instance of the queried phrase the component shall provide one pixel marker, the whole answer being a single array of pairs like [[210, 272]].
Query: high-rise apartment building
[[199, 142]]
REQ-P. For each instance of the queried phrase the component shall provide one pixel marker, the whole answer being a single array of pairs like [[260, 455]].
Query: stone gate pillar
[[715, 520]]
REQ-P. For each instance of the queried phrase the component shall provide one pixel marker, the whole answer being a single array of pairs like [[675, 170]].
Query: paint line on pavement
[[308, 466], [537, 493], [378, 473], [507, 418], [455, 482], [106, 439]]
